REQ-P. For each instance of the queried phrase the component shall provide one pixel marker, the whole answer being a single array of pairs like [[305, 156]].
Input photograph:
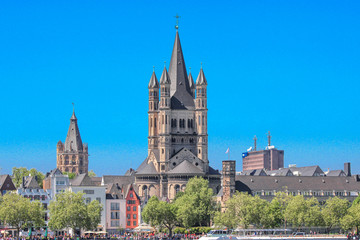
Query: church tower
[[177, 139], [73, 155]]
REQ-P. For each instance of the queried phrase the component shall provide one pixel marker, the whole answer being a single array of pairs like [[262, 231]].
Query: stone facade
[[73, 155], [177, 133], [228, 180]]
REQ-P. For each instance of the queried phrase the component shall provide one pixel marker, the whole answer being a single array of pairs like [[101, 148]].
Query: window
[[60, 182], [115, 215], [134, 216], [115, 206], [88, 191], [128, 216], [131, 195], [128, 223], [115, 223], [135, 223], [177, 189], [88, 200], [134, 208], [131, 201], [128, 208], [98, 199]]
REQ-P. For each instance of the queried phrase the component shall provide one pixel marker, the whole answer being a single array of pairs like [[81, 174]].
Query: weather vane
[[177, 21]]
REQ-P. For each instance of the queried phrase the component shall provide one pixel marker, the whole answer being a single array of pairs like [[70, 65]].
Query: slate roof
[[146, 168], [307, 171], [165, 79], [213, 171], [121, 180], [2, 179], [334, 173], [82, 180], [201, 80], [294, 183], [73, 141], [96, 180], [153, 83], [191, 81], [254, 172], [114, 191], [280, 172], [180, 91], [185, 167], [30, 183]]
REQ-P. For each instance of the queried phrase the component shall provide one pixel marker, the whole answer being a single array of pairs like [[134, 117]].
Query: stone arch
[[183, 187], [145, 190], [73, 170], [66, 169], [176, 189], [152, 190]]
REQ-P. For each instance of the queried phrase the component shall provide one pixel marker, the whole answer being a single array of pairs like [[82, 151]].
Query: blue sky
[[289, 67]]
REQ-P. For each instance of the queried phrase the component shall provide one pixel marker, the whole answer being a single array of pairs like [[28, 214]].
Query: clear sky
[[289, 67]]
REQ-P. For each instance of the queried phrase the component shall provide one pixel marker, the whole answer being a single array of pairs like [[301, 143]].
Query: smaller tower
[[201, 115], [73, 155], [153, 112], [191, 84], [228, 180]]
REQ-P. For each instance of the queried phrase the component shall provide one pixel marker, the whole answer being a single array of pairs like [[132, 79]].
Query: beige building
[[73, 155], [177, 133]]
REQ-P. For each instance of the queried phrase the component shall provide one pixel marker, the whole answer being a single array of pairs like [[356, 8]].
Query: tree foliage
[[91, 173], [70, 174], [19, 173], [196, 207], [160, 214], [352, 218], [19, 212], [333, 210], [69, 210]]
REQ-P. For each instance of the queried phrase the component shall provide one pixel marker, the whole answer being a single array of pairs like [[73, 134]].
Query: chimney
[[347, 169], [23, 182]]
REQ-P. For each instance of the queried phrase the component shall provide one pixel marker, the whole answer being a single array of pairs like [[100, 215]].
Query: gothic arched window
[[177, 189]]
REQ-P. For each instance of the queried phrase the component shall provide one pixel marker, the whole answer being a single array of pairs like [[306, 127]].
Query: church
[[177, 132]]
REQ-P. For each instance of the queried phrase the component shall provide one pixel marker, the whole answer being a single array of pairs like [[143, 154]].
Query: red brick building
[[132, 208]]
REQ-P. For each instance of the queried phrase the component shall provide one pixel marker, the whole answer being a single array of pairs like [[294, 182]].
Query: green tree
[[70, 174], [356, 201], [303, 212], [91, 173], [19, 173], [19, 212], [352, 218], [333, 210], [69, 210], [196, 207], [242, 209], [160, 214]]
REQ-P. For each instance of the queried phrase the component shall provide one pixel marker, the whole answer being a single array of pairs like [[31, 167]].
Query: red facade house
[[132, 208]]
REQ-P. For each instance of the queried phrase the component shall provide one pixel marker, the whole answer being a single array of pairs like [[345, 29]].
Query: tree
[[91, 173], [69, 210], [19, 173], [196, 206], [242, 209], [19, 212], [160, 213], [303, 212], [333, 210], [352, 219], [71, 175]]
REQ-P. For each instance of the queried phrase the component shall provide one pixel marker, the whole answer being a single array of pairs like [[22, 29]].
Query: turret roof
[[153, 83], [191, 81], [165, 79], [201, 80]]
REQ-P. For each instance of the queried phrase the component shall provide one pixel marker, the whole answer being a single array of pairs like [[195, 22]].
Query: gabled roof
[[180, 91], [6, 183], [191, 81], [201, 80], [82, 180], [213, 171], [146, 168], [121, 180], [153, 83], [336, 173], [185, 167], [30, 183], [73, 142], [114, 191], [307, 171], [280, 172], [254, 172]]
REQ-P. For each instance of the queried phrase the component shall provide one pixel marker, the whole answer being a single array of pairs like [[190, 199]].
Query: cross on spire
[[177, 22]]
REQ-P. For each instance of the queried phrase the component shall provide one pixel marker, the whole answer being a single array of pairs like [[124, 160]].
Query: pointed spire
[[153, 83], [180, 90], [73, 117], [165, 79], [73, 142], [201, 80]]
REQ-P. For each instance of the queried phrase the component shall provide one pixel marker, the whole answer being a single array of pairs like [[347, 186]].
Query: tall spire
[[180, 90], [73, 142], [164, 79]]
